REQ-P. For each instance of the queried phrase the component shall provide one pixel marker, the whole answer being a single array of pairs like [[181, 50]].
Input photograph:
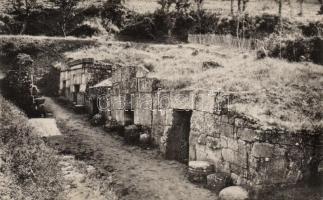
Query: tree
[[24, 9], [300, 7], [67, 9], [199, 4], [280, 7]]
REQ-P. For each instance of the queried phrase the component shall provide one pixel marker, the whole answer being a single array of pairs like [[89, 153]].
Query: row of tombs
[[193, 125]]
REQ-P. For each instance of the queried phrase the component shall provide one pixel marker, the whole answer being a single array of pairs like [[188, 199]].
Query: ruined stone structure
[[78, 75], [188, 125], [98, 98]]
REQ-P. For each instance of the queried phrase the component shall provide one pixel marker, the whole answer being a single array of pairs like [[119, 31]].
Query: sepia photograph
[[161, 99]]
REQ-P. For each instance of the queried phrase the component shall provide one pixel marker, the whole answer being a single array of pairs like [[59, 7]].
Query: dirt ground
[[136, 173]]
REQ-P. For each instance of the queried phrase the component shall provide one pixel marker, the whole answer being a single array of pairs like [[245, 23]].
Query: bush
[[312, 29], [142, 30], [84, 31], [299, 49], [35, 167], [49, 83]]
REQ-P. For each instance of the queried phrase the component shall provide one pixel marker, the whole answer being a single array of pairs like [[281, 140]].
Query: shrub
[[84, 31], [50, 82], [298, 49], [143, 30], [34, 166], [312, 29]]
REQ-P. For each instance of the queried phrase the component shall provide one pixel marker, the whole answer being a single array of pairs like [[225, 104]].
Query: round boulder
[[234, 193]]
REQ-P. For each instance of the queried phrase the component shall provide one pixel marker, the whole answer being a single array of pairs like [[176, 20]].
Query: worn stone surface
[[182, 100], [197, 121], [199, 170], [205, 101], [234, 193], [143, 117], [247, 134], [218, 181], [264, 150], [147, 84], [115, 89], [144, 101]]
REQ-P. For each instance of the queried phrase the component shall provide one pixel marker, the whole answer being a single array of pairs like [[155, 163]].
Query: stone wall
[[235, 144]]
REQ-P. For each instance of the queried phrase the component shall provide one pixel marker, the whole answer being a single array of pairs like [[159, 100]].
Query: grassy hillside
[[30, 167], [276, 92]]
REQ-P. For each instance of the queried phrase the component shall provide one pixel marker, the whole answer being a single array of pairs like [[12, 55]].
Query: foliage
[[34, 166], [114, 11], [17, 83], [67, 10], [84, 30], [295, 49], [49, 83]]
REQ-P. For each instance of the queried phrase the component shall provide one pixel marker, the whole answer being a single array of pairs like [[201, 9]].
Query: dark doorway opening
[[178, 138], [129, 117], [95, 106], [76, 91]]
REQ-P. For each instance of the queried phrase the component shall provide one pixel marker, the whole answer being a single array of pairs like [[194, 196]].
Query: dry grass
[[276, 92], [253, 8]]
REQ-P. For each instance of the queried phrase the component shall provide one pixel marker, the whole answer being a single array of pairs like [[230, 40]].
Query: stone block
[[275, 170], [233, 144], [205, 101], [119, 115], [218, 181], [161, 100], [133, 86], [143, 117], [144, 101], [202, 139], [115, 89], [128, 72], [116, 75], [116, 103], [235, 157], [199, 170], [197, 121], [201, 152], [264, 150], [157, 133], [226, 130], [169, 117], [211, 125], [247, 134], [147, 84], [224, 142], [213, 143], [159, 117], [183, 99], [214, 156], [192, 146]]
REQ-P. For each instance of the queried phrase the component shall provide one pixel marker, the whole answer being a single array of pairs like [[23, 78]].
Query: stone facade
[[235, 144], [78, 75]]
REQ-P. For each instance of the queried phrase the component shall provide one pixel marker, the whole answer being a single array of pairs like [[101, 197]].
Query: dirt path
[[142, 174]]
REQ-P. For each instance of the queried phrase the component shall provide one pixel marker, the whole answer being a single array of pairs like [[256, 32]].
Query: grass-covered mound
[[276, 92], [30, 167]]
